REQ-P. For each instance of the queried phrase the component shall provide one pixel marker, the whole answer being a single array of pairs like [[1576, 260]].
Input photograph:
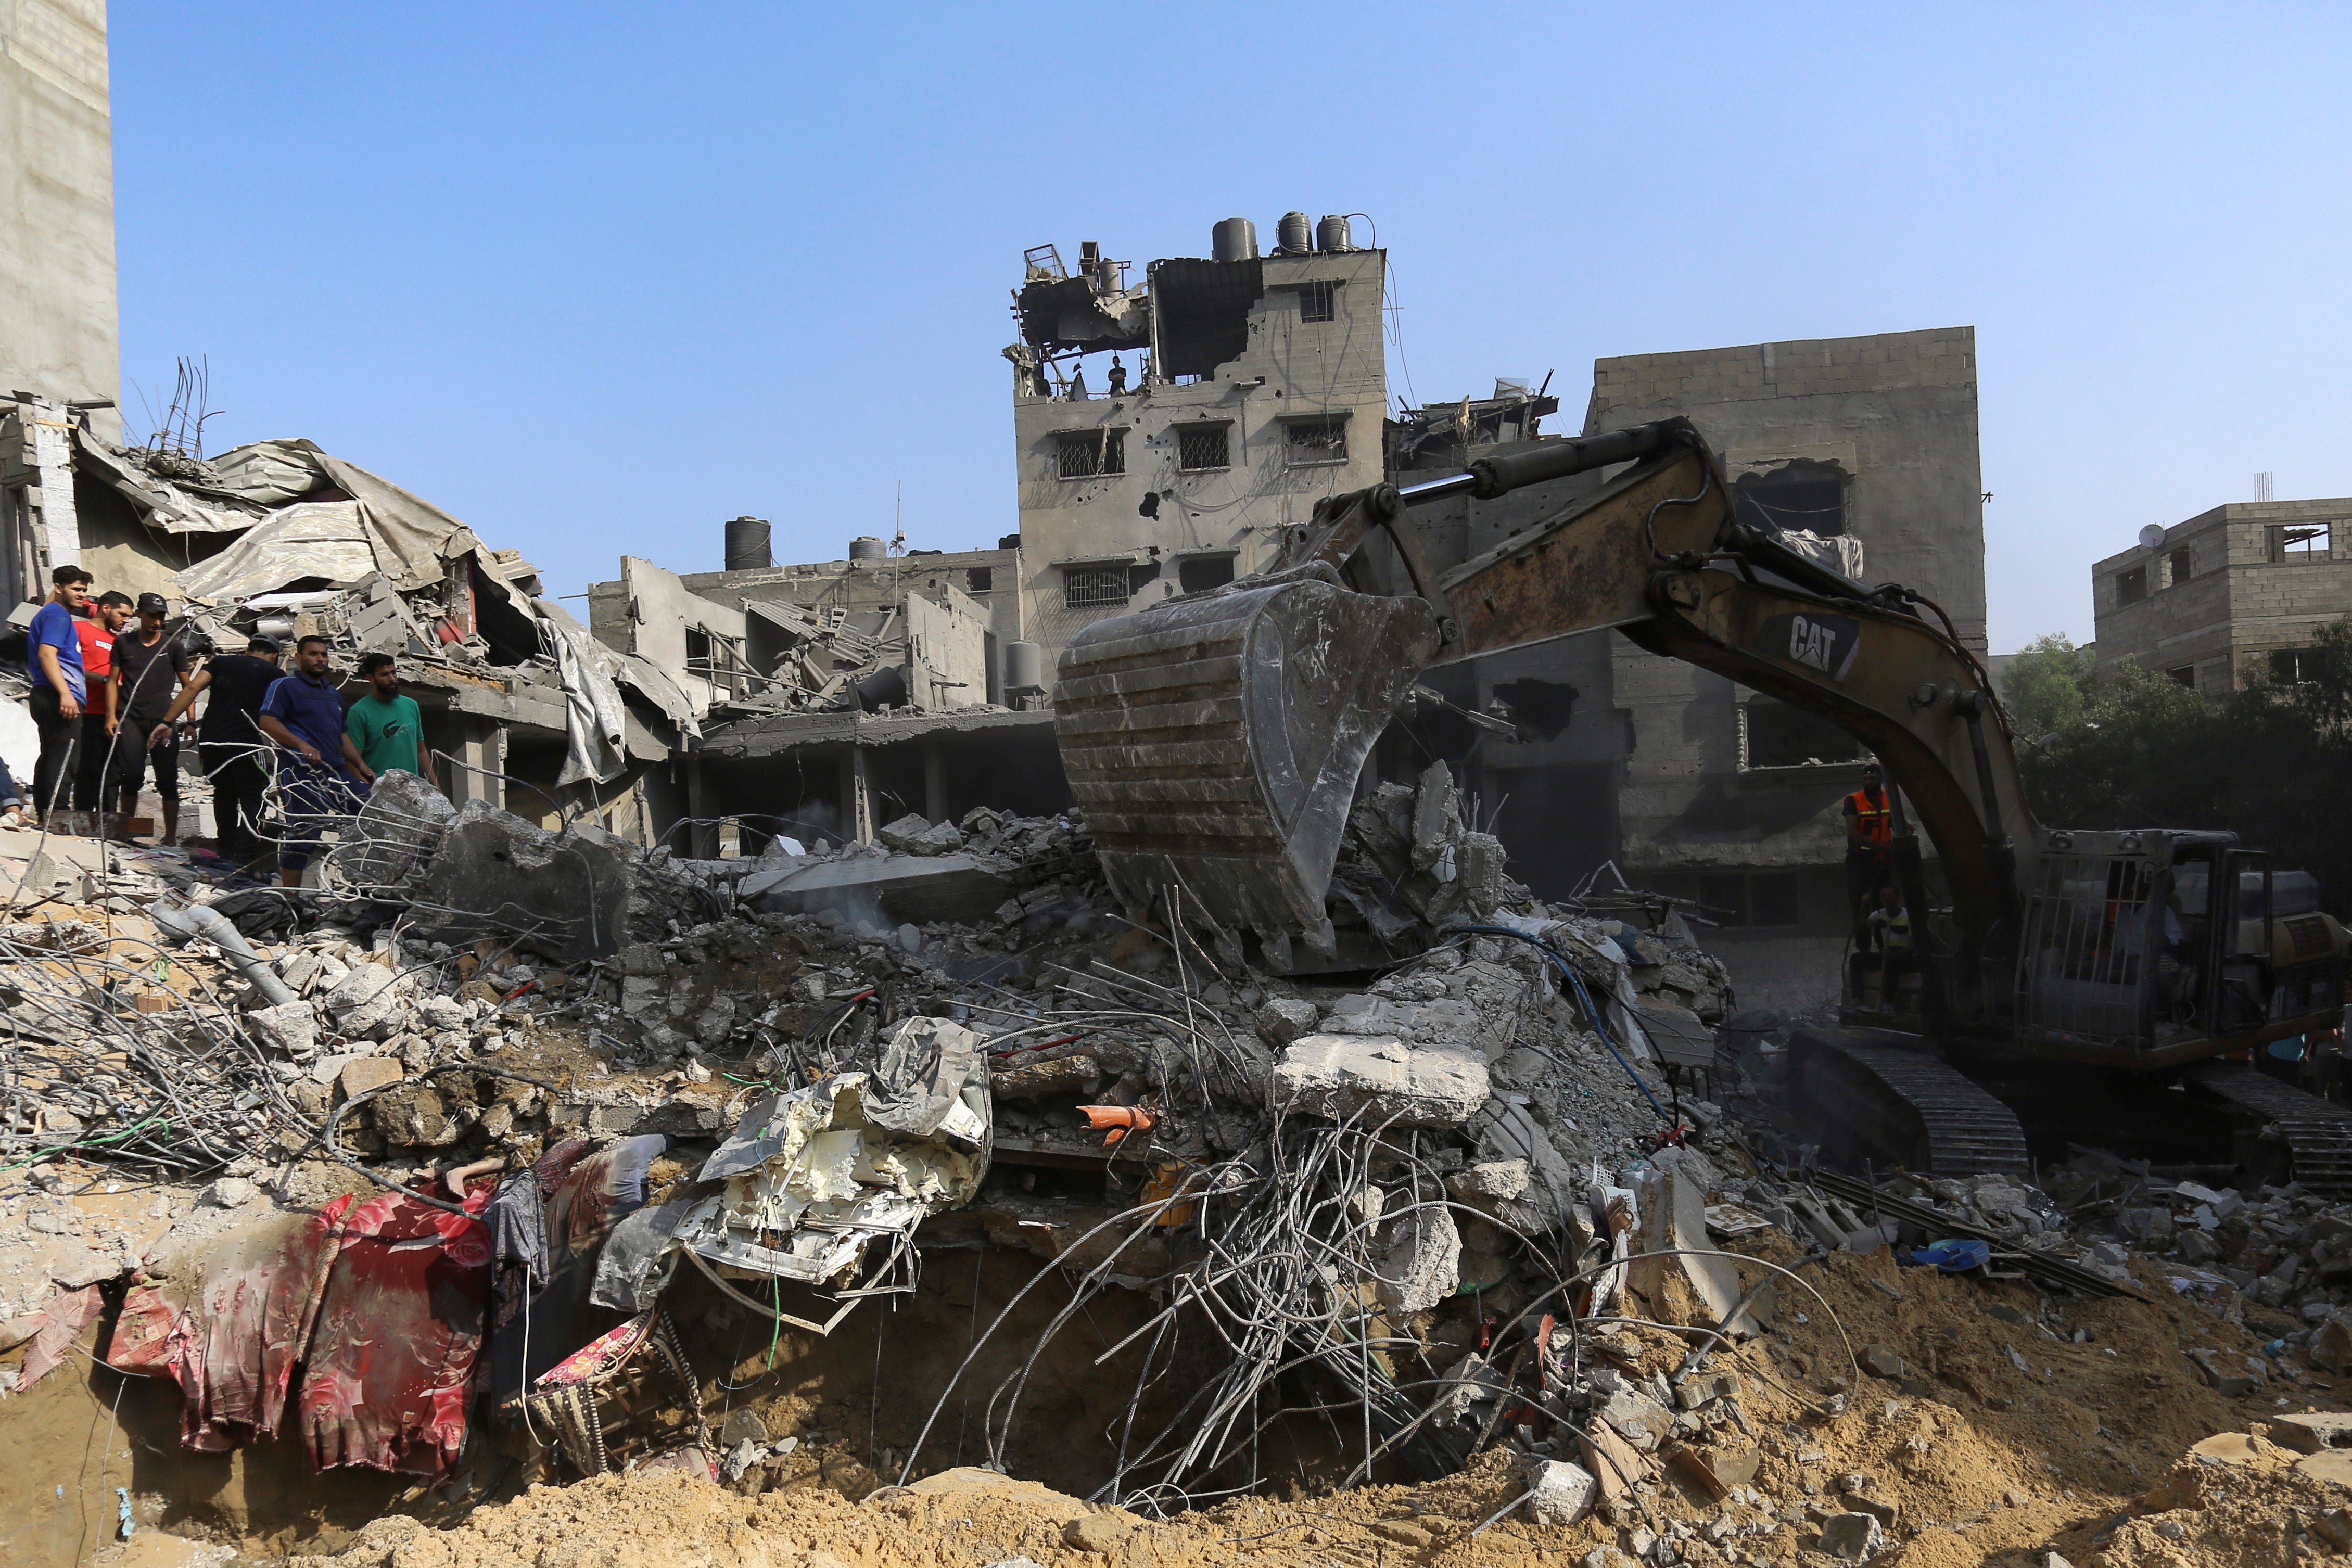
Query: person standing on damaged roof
[[60, 686], [387, 728], [149, 670], [324, 775], [232, 686]]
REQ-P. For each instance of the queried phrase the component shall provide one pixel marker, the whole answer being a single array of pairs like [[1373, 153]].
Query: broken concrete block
[[1672, 1203], [1887, 1514], [365, 1073], [1852, 1537], [398, 827], [1558, 1492], [1282, 1019], [360, 985], [580, 894], [229, 1192], [901, 833], [2312, 1432], [1379, 1079], [1421, 1263], [2331, 1347], [1880, 1361], [879, 893], [1702, 1388], [1505, 1131], [291, 1030], [1637, 1417]]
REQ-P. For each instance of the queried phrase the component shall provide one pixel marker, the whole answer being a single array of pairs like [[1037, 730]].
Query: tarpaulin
[[596, 724], [392, 1357], [305, 542], [230, 1323]]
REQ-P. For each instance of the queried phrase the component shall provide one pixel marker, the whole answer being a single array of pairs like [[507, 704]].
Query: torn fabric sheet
[[559, 1209], [229, 1323], [595, 723], [391, 1362], [302, 543]]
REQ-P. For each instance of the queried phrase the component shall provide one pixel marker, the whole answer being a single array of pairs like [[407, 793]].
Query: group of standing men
[[1883, 942], [109, 702]]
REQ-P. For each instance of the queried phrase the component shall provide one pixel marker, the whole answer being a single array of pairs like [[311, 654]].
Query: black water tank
[[747, 545], [1009, 541]]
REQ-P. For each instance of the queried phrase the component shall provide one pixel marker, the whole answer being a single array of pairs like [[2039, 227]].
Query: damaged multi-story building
[[1168, 428], [2241, 590]]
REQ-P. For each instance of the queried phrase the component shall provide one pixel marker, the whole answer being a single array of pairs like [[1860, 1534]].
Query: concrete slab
[[881, 892], [1379, 1078]]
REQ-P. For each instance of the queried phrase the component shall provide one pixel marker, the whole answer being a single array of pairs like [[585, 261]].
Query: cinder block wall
[[2234, 603]]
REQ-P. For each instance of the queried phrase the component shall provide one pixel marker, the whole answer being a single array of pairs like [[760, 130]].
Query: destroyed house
[[284, 537]]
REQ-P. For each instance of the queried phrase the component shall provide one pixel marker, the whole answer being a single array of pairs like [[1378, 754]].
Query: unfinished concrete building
[[2242, 589], [1257, 386]]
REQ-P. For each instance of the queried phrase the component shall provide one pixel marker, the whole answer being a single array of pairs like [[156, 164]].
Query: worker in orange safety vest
[[1869, 830]]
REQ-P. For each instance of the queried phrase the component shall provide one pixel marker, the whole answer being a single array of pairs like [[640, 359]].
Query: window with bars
[[1317, 441], [1318, 301], [1092, 587], [1203, 446], [2298, 544], [1084, 453]]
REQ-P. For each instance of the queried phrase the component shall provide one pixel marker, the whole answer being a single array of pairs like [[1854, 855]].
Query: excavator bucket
[[1213, 744]]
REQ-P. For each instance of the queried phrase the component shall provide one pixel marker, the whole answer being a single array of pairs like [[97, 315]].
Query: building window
[[2300, 544], [979, 579], [2185, 674], [1084, 453], [1092, 587], [1774, 734], [1803, 496], [1203, 446], [2131, 587], [1200, 574], [2293, 666], [1317, 441], [1317, 301], [2178, 563]]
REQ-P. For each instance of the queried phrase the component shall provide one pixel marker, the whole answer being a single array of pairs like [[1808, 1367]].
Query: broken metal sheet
[[269, 473], [159, 503], [813, 1177], [595, 721], [309, 540]]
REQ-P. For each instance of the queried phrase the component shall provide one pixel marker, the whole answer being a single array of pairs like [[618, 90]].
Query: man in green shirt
[[388, 728]]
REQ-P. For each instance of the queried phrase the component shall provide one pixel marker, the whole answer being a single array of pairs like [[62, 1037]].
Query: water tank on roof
[[1290, 235], [1234, 239], [1332, 234], [1008, 541], [866, 547], [747, 545], [1024, 667]]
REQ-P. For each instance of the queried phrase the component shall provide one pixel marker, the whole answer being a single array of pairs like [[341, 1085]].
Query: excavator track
[[2317, 1133], [1904, 1105]]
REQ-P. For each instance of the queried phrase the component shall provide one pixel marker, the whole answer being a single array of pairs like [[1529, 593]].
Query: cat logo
[[1824, 643]]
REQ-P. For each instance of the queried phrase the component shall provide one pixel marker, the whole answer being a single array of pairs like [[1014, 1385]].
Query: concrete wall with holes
[[2220, 592], [1156, 513], [59, 328]]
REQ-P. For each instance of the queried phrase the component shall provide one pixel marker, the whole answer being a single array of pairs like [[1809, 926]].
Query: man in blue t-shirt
[[321, 770], [53, 648]]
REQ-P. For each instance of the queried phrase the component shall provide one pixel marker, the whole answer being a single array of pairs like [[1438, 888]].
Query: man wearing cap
[[324, 776], [53, 648], [149, 670], [229, 742]]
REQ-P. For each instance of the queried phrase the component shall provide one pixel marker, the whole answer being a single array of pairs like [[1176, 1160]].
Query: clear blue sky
[[596, 277]]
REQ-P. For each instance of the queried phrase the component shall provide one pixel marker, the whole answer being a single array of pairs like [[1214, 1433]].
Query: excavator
[[2088, 985]]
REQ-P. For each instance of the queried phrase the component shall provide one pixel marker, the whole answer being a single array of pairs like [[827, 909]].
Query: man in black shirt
[[229, 741], [149, 669]]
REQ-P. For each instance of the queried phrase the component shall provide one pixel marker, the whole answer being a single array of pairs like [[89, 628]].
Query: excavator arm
[[1215, 742]]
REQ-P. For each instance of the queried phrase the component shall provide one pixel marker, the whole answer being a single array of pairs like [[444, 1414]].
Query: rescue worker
[[1869, 830], [1886, 946]]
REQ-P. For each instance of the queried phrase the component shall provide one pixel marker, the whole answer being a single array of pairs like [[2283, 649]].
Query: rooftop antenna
[[899, 521], [2263, 487]]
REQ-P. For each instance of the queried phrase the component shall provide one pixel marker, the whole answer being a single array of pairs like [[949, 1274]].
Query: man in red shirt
[[109, 613]]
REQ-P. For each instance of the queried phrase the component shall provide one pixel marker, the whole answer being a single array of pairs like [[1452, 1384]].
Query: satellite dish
[[2151, 536]]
